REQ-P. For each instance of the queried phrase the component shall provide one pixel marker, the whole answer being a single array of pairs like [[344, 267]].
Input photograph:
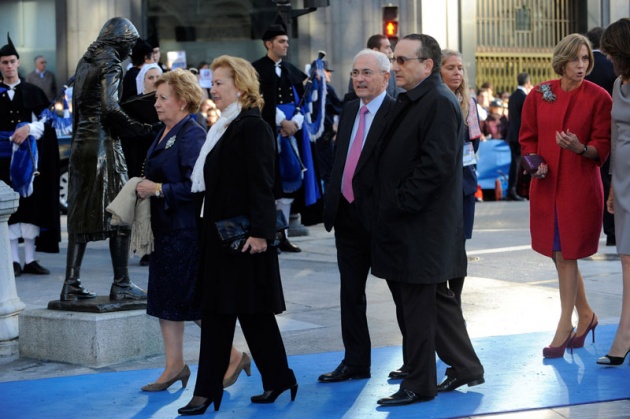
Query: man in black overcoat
[[515, 108], [350, 212], [37, 217], [418, 235]]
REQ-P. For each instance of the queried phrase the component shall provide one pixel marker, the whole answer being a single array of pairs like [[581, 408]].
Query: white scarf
[[214, 135]]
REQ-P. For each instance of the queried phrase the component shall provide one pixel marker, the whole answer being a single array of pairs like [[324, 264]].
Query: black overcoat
[[239, 177], [418, 229]]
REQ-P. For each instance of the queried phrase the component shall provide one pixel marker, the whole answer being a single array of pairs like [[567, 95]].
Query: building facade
[[498, 38]]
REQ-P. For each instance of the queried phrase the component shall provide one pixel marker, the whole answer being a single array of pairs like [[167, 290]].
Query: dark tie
[[353, 156]]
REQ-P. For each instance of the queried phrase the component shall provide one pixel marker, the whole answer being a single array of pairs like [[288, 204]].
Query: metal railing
[[501, 69], [519, 35]]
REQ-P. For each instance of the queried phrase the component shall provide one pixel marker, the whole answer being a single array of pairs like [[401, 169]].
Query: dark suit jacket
[[171, 163], [418, 232], [363, 180], [515, 108], [239, 176], [603, 73]]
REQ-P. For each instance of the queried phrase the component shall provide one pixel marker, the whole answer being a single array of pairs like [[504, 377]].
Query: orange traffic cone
[[479, 194], [498, 190]]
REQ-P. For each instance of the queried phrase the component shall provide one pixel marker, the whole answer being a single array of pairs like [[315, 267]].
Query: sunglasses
[[403, 60]]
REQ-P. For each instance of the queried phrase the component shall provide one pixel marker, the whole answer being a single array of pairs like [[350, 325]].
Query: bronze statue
[[97, 169]]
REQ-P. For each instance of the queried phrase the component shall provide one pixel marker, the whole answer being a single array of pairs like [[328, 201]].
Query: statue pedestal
[[10, 303], [89, 338]]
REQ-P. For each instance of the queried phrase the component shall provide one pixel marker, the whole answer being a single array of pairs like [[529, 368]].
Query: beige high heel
[[183, 375], [245, 364]]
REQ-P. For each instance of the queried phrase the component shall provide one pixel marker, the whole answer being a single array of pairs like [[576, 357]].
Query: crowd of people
[[397, 165]]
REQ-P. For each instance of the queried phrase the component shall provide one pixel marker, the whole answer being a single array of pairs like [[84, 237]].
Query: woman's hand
[[541, 172], [146, 188], [255, 245], [610, 205], [569, 141]]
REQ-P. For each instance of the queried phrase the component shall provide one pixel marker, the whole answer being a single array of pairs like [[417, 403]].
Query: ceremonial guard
[[29, 162]]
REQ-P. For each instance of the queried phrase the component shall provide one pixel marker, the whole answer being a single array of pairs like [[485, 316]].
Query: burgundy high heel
[[578, 341], [558, 351]]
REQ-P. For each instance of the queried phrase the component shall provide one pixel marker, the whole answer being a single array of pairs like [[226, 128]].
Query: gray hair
[[381, 59]]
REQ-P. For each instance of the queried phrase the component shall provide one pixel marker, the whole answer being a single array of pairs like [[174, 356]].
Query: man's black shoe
[[611, 240], [17, 269], [344, 373], [35, 269], [451, 383], [402, 397], [287, 246], [398, 374]]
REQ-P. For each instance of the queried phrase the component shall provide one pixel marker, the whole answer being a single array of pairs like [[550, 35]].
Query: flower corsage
[[548, 95], [170, 142]]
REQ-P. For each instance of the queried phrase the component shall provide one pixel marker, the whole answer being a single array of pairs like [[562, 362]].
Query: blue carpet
[[517, 378]]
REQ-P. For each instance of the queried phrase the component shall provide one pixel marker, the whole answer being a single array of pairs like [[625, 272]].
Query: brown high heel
[[183, 375], [244, 364]]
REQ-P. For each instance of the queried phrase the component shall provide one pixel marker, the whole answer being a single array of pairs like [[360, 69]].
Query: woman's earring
[[238, 94]]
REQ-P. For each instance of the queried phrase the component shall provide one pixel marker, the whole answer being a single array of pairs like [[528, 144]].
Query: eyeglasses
[[403, 60], [365, 73]]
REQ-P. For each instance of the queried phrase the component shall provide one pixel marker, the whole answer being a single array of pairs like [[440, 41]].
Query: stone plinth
[[10, 303], [89, 339]]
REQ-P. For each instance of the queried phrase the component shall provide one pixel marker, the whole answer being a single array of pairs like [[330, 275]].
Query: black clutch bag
[[531, 162], [233, 232]]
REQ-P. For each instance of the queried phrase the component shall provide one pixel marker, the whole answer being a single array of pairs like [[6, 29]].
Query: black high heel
[[200, 408], [270, 396], [612, 360]]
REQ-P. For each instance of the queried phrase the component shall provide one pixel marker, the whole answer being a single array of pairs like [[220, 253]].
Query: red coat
[[573, 185]]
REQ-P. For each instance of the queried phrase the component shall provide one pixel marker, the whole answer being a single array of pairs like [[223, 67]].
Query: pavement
[[509, 290]]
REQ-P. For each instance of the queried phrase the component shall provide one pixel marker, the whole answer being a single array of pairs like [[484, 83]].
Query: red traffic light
[[390, 28]]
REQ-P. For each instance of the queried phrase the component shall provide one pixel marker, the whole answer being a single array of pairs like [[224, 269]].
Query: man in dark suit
[[348, 209], [279, 81], [418, 234], [43, 78], [515, 108], [603, 75]]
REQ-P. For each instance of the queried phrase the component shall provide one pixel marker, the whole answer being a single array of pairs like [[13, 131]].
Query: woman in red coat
[[567, 122]]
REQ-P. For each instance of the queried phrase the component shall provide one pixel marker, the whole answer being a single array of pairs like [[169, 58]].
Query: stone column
[[10, 303]]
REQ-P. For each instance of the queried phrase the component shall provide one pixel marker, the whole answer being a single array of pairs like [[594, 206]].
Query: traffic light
[[390, 23]]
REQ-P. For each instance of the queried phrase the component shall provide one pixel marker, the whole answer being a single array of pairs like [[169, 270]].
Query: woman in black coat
[[236, 170]]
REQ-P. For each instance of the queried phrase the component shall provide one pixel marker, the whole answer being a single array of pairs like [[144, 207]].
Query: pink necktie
[[353, 157]]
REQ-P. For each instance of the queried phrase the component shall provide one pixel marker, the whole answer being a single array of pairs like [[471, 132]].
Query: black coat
[[363, 180], [418, 234], [239, 177], [603, 73], [515, 108]]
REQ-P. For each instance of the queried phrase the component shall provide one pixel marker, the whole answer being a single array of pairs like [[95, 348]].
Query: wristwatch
[[583, 151]]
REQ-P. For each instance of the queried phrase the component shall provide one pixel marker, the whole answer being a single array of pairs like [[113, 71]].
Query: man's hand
[[20, 134], [288, 128]]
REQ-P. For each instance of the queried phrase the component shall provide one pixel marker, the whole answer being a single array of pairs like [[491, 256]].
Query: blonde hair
[[464, 92], [569, 48], [185, 87], [245, 79]]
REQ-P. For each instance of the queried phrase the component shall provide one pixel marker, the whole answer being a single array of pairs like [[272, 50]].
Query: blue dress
[[175, 223]]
